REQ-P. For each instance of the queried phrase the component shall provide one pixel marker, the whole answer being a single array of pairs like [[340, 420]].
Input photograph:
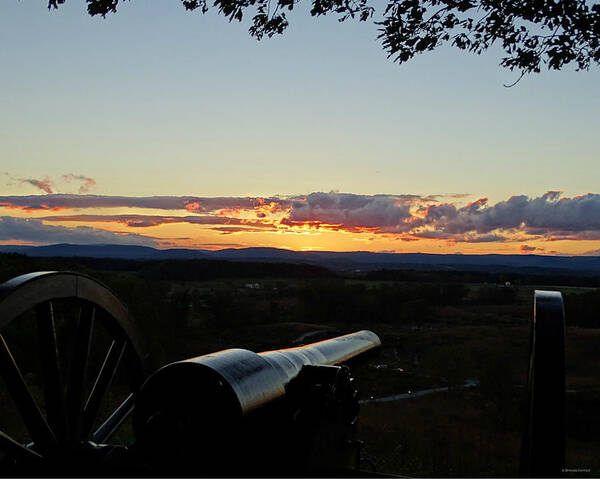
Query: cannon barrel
[[253, 379], [216, 402]]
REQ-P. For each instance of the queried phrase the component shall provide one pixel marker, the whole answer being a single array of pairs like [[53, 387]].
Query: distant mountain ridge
[[363, 260]]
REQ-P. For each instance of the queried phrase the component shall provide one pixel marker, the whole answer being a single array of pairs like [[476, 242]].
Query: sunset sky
[[166, 128]]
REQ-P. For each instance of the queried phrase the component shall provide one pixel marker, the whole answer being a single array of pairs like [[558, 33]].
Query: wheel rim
[[70, 363], [543, 444]]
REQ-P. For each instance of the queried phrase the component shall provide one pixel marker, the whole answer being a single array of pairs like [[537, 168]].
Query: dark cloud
[[550, 217], [227, 230], [571, 235], [461, 238], [144, 221], [45, 184], [457, 196], [352, 211], [35, 231], [193, 204], [526, 248], [135, 221]]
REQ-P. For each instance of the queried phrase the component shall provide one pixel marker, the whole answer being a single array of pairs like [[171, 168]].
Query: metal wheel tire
[[543, 446]]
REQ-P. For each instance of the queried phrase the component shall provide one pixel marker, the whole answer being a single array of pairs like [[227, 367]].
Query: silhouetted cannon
[[289, 411], [234, 412]]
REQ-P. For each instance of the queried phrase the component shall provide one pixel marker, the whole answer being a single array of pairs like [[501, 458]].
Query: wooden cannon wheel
[[69, 364]]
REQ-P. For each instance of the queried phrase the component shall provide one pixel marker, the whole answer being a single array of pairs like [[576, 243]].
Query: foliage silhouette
[[533, 33]]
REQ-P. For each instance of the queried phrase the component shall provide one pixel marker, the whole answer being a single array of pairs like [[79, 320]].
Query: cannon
[[234, 412], [92, 409], [277, 412]]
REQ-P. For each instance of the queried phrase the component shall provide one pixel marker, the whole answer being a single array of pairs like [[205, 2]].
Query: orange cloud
[[45, 184], [477, 203], [30, 209], [87, 183]]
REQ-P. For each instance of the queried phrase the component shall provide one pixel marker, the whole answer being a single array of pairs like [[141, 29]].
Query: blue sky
[[159, 101]]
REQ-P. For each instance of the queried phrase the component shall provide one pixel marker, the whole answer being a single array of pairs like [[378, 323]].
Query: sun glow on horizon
[[548, 224]]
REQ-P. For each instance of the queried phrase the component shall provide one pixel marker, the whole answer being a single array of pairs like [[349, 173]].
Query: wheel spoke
[[102, 384], [15, 449], [53, 395], [78, 371], [59, 383], [38, 428], [114, 421]]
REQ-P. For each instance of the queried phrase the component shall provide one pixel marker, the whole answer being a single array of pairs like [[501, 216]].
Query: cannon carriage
[[94, 409]]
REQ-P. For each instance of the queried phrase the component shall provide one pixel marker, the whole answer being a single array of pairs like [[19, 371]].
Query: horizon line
[[2, 246]]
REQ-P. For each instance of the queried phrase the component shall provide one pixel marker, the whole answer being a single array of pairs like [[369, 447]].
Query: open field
[[434, 335]]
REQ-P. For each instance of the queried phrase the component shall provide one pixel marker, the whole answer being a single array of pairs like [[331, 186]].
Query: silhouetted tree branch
[[533, 33]]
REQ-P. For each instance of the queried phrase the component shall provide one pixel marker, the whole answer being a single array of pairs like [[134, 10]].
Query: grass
[[475, 432], [451, 434], [459, 433]]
